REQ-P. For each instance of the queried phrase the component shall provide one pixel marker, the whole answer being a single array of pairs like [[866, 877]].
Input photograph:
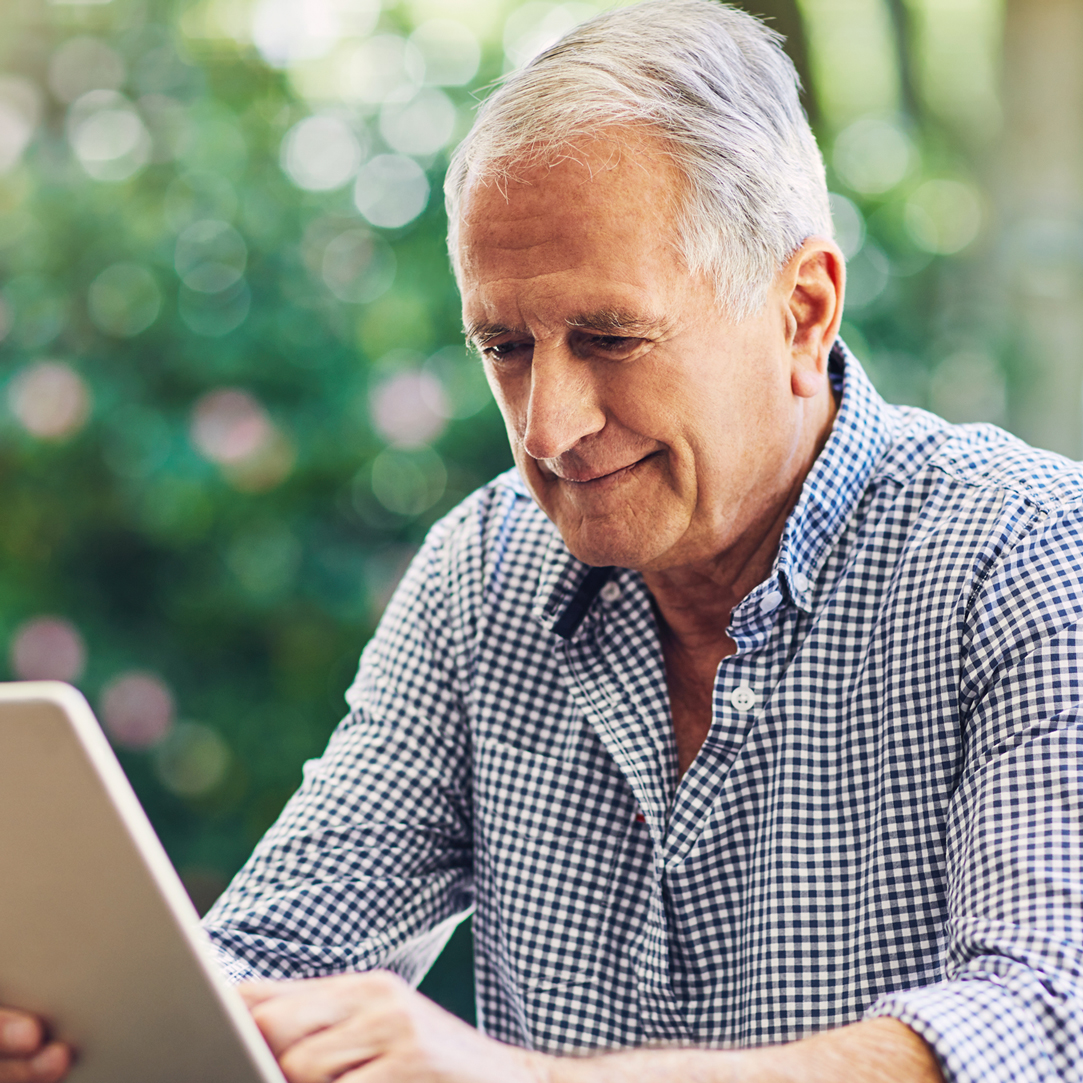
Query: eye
[[507, 351], [613, 346]]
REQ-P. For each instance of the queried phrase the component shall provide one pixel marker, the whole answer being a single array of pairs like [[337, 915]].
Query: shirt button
[[610, 592], [743, 698], [770, 602], [800, 580]]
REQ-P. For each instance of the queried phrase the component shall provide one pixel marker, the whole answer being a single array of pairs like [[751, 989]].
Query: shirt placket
[[742, 686], [617, 676]]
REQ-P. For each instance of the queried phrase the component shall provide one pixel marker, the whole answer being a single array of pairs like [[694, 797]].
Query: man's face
[[652, 430]]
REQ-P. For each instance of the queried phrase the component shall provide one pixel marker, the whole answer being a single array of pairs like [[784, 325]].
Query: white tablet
[[97, 934]]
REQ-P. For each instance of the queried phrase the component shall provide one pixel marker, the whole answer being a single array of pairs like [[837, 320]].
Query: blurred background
[[233, 392]]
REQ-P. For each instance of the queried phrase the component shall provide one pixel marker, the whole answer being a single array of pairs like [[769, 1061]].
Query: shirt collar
[[841, 473], [567, 588]]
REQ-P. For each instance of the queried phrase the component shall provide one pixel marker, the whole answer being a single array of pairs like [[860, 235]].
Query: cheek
[[506, 402]]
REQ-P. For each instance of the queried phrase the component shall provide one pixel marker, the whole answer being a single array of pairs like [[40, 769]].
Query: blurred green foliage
[[233, 405], [248, 587]]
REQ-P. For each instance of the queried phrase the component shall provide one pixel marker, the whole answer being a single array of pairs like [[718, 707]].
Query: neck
[[695, 600]]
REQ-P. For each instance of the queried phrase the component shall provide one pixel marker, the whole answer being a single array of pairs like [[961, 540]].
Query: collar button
[[770, 602], [610, 592]]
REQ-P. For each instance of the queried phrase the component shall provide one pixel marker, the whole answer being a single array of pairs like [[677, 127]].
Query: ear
[[813, 283]]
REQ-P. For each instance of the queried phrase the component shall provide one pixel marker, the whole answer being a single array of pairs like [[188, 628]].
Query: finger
[[20, 1033], [330, 1053], [48, 1066], [285, 1020], [256, 992]]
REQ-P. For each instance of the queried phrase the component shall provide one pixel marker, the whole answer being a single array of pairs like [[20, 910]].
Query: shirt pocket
[[550, 836]]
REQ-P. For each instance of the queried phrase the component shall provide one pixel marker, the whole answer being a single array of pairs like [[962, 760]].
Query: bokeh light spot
[[47, 649], [37, 309], [849, 224], [459, 379], [873, 155], [533, 27], [321, 153], [943, 216], [192, 760], [210, 256], [358, 267], [420, 126], [137, 709], [450, 50], [229, 425], [50, 400], [124, 300], [409, 408], [383, 68], [288, 31], [867, 275], [391, 190], [269, 465], [108, 136], [20, 111], [408, 481]]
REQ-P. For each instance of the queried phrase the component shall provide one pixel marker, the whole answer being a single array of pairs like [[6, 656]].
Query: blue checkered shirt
[[884, 819]]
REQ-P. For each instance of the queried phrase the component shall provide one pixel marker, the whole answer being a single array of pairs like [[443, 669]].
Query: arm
[[874, 1051], [372, 1028], [370, 863], [1010, 1003]]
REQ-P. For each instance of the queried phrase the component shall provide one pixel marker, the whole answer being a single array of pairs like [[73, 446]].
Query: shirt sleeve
[[1010, 1006], [370, 863]]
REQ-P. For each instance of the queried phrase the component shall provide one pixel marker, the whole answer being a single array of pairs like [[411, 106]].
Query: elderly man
[[745, 711]]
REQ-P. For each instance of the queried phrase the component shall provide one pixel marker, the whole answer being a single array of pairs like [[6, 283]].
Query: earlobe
[[806, 383]]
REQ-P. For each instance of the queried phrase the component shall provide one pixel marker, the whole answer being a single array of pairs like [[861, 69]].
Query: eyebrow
[[610, 321], [603, 322], [480, 334]]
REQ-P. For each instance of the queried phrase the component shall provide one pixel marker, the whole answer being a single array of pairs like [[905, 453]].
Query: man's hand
[[373, 1028], [25, 1055]]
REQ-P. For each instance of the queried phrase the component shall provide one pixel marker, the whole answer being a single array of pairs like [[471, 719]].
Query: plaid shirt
[[883, 820]]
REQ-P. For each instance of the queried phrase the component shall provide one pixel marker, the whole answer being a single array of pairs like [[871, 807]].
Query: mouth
[[601, 478]]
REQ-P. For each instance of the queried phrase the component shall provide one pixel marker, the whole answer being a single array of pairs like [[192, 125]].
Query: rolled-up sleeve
[[1010, 1006]]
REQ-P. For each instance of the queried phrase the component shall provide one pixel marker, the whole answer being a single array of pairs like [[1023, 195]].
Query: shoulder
[[981, 458], [972, 513], [492, 544], [496, 522], [1014, 513]]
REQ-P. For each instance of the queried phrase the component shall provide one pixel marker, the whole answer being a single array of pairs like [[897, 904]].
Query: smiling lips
[[586, 477]]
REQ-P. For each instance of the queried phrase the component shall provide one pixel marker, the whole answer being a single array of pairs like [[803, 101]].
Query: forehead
[[605, 200]]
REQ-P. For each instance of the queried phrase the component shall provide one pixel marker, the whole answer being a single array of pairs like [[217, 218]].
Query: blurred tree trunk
[[903, 26], [785, 17], [1040, 178]]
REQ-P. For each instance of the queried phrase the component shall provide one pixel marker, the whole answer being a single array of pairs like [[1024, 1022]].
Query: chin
[[613, 548]]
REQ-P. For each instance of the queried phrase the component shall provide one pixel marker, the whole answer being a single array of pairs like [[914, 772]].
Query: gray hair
[[715, 86]]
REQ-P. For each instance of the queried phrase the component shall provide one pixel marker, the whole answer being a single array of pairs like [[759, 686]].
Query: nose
[[563, 405]]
